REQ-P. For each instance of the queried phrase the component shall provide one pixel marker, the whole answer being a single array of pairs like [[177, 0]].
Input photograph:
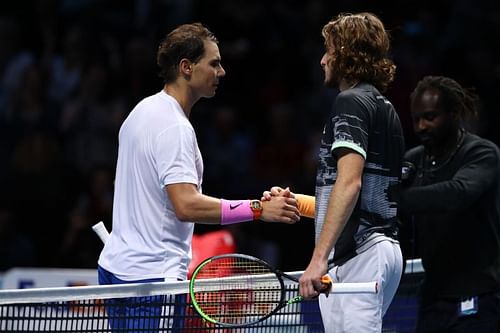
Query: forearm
[[192, 206], [475, 173], [452, 195], [199, 208], [340, 207]]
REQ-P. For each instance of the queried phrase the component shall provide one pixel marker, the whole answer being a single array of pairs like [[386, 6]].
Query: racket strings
[[244, 291]]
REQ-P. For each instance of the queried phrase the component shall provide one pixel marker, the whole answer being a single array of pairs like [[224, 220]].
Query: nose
[[419, 125], [323, 61], [222, 71]]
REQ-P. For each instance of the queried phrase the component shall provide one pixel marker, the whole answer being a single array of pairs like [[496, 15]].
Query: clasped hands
[[279, 205]]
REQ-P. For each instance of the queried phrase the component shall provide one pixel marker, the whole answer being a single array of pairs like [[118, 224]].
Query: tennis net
[[166, 307], [156, 307]]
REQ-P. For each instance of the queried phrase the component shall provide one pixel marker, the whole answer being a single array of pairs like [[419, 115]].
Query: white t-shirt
[[157, 147]]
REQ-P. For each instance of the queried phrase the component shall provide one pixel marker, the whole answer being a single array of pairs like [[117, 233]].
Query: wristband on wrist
[[306, 205], [235, 211]]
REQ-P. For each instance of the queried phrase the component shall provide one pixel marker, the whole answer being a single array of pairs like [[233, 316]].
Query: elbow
[[183, 213], [356, 186], [348, 187], [182, 216], [353, 186]]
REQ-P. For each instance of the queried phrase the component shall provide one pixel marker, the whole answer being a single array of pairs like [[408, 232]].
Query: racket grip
[[101, 231], [327, 282]]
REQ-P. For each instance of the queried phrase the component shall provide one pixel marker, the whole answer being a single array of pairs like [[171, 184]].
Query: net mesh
[[152, 307], [165, 307]]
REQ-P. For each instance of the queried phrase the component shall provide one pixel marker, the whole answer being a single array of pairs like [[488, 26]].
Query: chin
[[209, 93], [330, 82], [427, 143]]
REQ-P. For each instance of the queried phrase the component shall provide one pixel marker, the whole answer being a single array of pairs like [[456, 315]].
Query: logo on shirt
[[235, 206]]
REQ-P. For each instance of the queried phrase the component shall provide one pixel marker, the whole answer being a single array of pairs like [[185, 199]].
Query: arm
[[305, 203], [190, 205], [466, 186], [342, 201]]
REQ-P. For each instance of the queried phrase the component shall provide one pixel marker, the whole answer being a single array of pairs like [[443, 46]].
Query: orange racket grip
[[327, 282]]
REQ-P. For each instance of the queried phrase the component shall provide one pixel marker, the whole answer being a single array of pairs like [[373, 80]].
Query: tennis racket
[[237, 290], [101, 231]]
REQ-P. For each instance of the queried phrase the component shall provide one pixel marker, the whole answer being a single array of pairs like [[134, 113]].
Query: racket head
[[236, 290]]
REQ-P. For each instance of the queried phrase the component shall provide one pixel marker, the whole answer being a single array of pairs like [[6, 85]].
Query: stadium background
[[70, 71]]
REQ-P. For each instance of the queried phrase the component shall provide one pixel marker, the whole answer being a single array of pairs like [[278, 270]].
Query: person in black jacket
[[452, 201]]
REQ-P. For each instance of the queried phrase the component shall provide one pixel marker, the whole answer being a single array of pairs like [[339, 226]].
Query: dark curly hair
[[453, 98], [186, 41], [360, 46]]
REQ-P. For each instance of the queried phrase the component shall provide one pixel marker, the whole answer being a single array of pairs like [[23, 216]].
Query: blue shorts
[[138, 314]]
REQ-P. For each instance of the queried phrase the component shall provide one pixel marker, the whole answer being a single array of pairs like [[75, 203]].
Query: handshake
[[282, 205], [279, 205]]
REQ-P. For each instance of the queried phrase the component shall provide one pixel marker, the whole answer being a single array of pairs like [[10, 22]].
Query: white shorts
[[362, 313]]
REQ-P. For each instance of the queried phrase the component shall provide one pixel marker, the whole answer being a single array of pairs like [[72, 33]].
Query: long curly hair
[[359, 45]]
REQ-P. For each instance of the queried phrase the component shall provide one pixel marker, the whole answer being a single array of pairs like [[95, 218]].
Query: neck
[[182, 95], [448, 147], [344, 85]]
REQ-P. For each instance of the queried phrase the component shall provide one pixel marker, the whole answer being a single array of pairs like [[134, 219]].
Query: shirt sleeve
[[350, 124], [175, 152], [470, 182]]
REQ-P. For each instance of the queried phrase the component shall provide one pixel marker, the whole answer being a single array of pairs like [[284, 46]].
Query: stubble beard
[[331, 82]]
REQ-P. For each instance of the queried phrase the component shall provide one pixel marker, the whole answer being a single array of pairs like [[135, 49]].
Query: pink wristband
[[235, 211]]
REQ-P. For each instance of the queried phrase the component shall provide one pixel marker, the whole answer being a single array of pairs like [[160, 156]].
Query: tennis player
[[159, 175], [358, 174]]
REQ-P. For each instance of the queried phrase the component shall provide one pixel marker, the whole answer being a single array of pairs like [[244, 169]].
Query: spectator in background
[[80, 248], [452, 200], [90, 120], [16, 248]]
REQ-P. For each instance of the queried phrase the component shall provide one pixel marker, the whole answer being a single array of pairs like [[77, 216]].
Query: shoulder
[[153, 102], [364, 95], [475, 141], [414, 154], [475, 145], [350, 101]]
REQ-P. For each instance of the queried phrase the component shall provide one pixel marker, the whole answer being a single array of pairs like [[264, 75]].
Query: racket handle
[[101, 231], [355, 288], [326, 279], [327, 282]]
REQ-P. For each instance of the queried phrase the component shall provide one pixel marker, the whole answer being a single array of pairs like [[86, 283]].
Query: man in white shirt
[[159, 175]]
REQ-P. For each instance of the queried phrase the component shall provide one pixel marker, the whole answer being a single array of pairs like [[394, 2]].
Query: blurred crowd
[[71, 71]]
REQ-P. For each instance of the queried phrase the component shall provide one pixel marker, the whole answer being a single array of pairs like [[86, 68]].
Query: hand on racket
[[236, 290], [311, 282]]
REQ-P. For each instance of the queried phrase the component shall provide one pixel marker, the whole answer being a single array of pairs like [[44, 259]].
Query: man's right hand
[[280, 209], [277, 191]]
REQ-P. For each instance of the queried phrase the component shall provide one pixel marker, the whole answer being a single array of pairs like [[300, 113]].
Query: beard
[[331, 81]]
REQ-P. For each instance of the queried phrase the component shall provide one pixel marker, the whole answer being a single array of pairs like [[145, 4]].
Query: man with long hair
[[358, 178]]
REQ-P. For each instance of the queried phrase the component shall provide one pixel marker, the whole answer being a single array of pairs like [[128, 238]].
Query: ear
[[186, 67]]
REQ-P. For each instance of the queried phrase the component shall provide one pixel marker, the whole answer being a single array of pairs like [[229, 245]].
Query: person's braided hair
[[453, 97]]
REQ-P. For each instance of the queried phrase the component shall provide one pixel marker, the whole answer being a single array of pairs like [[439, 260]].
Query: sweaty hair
[[184, 42], [360, 46], [453, 98]]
